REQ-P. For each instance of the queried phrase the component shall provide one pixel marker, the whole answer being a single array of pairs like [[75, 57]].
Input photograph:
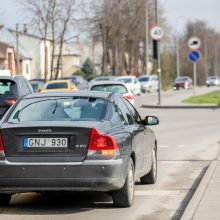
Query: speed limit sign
[[157, 33]]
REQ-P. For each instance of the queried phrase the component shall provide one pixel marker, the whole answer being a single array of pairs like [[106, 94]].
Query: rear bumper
[[103, 176]]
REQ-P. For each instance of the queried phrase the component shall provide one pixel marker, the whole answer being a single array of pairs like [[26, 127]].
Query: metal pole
[[177, 57], [158, 57], [206, 58], [194, 78], [146, 37], [17, 51]]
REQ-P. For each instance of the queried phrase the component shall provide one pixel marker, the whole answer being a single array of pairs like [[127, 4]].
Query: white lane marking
[[158, 193], [189, 146], [176, 161], [163, 146]]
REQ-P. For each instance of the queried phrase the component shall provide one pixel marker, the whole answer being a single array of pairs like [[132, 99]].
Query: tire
[[125, 196], [151, 177], [5, 199]]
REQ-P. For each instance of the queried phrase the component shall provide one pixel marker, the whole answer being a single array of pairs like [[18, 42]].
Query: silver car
[[213, 81]]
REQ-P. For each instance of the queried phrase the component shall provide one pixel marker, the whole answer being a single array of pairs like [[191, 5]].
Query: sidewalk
[[205, 203]]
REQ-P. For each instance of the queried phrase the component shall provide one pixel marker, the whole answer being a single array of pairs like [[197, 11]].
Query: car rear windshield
[[61, 85], [8, 88], [182, 79], [144, 79], [62, 109], [213, 77], [126, 80], [110, 88]]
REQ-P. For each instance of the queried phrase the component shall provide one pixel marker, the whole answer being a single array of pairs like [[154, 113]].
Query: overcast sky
[[178, 12]]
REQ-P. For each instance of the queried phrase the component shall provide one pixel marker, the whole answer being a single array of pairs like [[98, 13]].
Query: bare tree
[[120, 26], [55, 19]]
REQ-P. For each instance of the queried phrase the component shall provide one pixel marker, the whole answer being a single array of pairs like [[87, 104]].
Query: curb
[[197, 196], [181, 106]]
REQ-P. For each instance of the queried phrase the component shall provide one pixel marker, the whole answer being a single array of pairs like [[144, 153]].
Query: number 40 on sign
[[157, 33]]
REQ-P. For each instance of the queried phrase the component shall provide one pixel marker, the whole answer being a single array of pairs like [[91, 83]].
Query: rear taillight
[[102, 144], [129, 97], [2, 152], [10, 101]]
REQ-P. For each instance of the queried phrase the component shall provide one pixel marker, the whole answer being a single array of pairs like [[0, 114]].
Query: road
[[188, 140]]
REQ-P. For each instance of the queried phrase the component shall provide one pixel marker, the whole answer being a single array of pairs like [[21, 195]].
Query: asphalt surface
[[188, 140]]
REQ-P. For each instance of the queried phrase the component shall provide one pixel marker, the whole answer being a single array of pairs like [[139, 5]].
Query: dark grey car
[[11, 89], [76, 141]]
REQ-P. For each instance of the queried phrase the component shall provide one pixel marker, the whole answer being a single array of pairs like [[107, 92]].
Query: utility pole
[[146, 38], [177, 57], [158, 56], [17, 51]]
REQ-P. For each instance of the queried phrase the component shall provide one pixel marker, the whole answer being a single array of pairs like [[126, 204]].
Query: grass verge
[[209, 98]]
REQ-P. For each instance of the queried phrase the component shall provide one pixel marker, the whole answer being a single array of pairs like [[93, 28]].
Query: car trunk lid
[[46, 142]]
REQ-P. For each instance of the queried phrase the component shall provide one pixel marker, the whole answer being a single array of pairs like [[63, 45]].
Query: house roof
[[7, 37], [28, 34]]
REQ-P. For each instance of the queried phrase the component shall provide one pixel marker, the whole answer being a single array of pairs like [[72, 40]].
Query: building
[[89, 49], [34, 47], [32, 53], [7, 58], [70, 60]]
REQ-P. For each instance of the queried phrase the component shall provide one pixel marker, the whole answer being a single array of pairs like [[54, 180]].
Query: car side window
[[124, 114], [133, 111]]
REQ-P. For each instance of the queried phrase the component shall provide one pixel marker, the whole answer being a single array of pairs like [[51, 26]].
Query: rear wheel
[[151, 177], [125, 196], [4, 199]]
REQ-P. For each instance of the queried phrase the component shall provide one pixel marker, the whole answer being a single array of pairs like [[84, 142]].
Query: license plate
[[45, 142]]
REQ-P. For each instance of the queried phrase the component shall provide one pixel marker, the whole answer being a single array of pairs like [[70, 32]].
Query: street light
[[177, 47], [146, 37]]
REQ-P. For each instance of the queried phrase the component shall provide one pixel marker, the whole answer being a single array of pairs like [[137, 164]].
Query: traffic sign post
[[194, 57], [157, 34]]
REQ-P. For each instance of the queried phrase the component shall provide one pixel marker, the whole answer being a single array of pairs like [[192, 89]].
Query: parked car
[[76, 141], [37, 84], [59, 85], [113, 86], [148, 83], [11, 89], [104, 78], [184, 82], [132, 83], [78, 81], [213, 81]]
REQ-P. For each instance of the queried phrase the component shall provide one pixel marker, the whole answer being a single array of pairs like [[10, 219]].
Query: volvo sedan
[[76, 141]]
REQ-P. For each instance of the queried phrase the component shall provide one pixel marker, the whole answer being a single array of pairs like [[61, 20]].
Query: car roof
[[108, 83], [121, 77], [95, 94], [59, 81]]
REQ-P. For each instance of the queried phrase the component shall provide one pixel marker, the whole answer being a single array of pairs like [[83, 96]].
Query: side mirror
[[40, 90], [151, 120]]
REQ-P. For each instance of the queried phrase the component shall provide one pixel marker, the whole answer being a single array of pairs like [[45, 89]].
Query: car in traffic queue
[[78, 81], [132, 83], [213, 81], [184, 82], [148, 83], [37, 84], [113, 86], [58, 85], [11, 89], [76, 141]]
